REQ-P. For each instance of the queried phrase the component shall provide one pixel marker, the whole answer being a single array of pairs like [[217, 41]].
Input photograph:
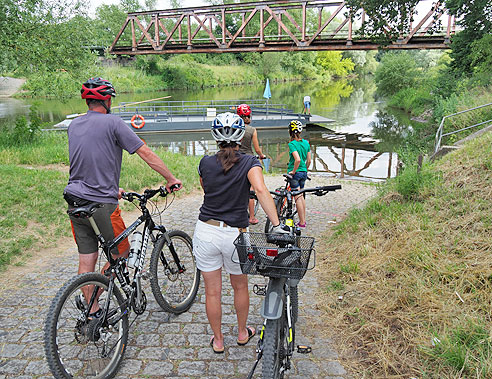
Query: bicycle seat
[[85, 211]]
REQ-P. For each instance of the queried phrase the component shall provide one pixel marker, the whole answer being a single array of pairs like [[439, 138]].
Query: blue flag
[[267, 94]]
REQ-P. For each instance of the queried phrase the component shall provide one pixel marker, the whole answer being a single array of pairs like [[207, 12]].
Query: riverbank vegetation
[[429, 86], [407, 281], [32, 178]]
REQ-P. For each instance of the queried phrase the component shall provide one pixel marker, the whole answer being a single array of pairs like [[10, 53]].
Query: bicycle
[[284, 259], [80, 343], [286, 205]]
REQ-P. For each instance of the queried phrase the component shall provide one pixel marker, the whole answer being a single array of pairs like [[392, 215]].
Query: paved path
[[163, 345]]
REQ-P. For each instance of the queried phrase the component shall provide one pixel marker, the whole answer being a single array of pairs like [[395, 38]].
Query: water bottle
[[135, 247]]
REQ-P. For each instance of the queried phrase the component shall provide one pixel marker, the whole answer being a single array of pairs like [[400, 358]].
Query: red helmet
[[244, 110], [98, 89]]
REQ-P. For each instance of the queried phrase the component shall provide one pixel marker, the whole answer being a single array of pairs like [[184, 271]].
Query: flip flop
[[254, 221], [216, 351], [251, 334]]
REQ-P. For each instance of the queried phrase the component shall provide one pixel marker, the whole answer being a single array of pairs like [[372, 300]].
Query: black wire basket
[[258, 255]]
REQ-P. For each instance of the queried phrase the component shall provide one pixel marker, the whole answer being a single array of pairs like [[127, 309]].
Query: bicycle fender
[[273, 305]]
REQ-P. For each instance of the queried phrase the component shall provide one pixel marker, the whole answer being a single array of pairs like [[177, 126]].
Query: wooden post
[[354, 165], [342, 163], [390, 161]]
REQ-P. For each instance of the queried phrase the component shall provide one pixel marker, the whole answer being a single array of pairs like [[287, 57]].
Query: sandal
[[251, 334], [216, 350]]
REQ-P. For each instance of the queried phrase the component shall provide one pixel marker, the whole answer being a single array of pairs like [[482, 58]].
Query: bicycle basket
[[257, 256]]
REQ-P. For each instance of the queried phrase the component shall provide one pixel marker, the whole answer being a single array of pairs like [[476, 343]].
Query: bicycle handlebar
[[148, 193]]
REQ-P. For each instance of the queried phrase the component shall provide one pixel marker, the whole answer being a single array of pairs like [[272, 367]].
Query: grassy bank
[[32, 178], [407, 281]]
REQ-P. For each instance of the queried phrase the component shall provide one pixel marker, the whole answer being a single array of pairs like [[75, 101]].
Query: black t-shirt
[[226, 195]]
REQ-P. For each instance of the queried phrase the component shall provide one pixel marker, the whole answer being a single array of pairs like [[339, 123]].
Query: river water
[[342, 151]]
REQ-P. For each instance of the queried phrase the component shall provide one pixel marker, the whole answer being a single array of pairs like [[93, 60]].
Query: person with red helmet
[[96, 141], [249, 141]]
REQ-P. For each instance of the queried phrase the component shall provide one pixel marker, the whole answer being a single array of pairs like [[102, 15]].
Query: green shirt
[[302, 147]]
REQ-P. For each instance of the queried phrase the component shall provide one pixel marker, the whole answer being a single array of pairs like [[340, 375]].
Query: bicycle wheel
[[274, 348], [281, 205], [174, 291], [278, 206], [257, 204], [294, 303], [76, 346]]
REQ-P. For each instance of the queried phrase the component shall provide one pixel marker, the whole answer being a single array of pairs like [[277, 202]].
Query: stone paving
[[162, 345]]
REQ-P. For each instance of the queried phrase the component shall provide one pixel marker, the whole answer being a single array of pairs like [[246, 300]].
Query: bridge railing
[[267, 26]]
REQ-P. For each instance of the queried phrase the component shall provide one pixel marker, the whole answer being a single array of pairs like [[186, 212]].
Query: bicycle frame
[[117, 267]]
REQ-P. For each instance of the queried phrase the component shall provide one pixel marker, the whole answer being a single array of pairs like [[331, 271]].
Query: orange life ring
[[139, 126]]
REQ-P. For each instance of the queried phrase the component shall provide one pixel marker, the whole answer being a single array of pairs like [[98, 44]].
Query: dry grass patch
[[407, 282]]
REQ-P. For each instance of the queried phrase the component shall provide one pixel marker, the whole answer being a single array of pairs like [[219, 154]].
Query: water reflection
[[352, 104], [335, 154]]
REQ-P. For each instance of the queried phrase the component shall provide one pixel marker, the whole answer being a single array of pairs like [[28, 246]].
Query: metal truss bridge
[[270, 26]]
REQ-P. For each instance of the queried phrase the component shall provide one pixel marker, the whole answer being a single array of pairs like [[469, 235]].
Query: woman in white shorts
[[226, 178]]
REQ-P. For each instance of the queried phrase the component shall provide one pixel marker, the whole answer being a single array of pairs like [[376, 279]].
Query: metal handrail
[[439, 133]]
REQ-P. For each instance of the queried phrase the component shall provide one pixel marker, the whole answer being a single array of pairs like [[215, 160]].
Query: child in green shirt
[[299, 161]]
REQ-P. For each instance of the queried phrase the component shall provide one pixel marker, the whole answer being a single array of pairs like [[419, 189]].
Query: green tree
[[481, 55], [107, 24], [397, 71], [334, 64]]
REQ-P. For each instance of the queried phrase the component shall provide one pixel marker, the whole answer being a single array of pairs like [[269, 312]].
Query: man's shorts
[[213, 248], [110, 223], [307, 104], [298, 180]]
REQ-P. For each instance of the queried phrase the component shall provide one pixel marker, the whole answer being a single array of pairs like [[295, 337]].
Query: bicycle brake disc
[[139, 308]]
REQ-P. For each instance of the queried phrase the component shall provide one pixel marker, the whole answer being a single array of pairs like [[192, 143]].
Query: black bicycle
[[284, 259], [285, 204], [79, 343]]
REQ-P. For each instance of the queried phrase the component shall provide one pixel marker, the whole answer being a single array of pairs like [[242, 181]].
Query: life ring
[[139, 126]]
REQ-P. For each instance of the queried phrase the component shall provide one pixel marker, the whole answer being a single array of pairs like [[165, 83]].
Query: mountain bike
[[83, 344], [284, 259], [285, 204]]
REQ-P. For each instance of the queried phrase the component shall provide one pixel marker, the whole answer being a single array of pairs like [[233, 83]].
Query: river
[[351, 104]]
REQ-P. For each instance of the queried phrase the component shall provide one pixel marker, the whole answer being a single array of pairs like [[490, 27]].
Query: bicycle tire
[[173, 291], [294, 303], [274, 348], [257, 204], [278, 206], [281, 206], [76, 346]]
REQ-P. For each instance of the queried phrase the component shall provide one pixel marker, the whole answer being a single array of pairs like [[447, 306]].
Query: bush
[[397, 71], [23, 132]]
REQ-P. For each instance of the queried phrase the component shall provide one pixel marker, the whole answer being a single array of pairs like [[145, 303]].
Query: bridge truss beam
[[268, 26]]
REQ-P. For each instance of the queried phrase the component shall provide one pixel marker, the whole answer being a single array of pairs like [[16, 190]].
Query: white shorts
[[213, 248]]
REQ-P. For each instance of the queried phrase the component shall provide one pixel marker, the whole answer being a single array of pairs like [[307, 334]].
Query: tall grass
[[413, 271]]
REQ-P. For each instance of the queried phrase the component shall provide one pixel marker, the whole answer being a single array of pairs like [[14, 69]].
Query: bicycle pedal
[[259, 290], [303, 349]]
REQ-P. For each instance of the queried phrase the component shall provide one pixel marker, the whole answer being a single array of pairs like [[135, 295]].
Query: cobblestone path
[[163, 345]]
